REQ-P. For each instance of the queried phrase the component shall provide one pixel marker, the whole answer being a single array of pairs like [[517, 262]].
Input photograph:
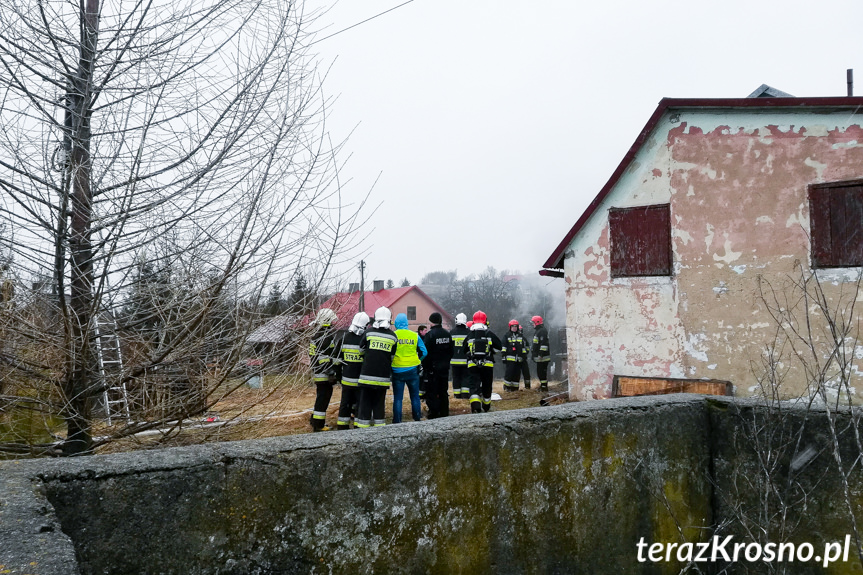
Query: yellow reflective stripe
[[377, 381]]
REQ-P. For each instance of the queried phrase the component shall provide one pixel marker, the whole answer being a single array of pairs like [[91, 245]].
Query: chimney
[[354, 287], [850, 76], [378, 285]]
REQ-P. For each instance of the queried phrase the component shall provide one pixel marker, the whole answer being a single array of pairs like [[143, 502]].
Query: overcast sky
[[493, 123]]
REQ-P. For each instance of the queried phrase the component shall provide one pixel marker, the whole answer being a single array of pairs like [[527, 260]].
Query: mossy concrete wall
[[565, 489]]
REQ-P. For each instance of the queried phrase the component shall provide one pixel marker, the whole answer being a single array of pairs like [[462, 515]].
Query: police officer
[[540, 352], [480, 346], [514, 350], [439, 344], [322, 352], [379, 345], [460, 387], [406, 362], [421, 331], [352, 363]]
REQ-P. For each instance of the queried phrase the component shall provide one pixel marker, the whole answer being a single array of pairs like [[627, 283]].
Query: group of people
[[371, 356]]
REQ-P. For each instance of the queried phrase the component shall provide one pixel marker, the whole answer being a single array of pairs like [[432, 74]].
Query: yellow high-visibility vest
[[406, 353]]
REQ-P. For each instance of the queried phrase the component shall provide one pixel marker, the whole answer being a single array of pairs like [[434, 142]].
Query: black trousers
[[423, 372], [525, 372], [460, 385], [437, 388], [512, 375], [481, 379], [349, 406], [542, 374], [324, 393], [371, 411]]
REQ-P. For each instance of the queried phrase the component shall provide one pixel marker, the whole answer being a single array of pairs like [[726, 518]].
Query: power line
[[363, 22]]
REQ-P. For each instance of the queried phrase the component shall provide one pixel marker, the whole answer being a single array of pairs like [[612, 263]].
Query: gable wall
[[737, 185], [424, 309]]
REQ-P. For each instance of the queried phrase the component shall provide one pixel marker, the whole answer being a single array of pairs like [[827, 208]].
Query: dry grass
[[283, 407]]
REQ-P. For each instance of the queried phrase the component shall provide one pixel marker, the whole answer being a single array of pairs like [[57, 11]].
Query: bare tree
[[187, 136], [440, 278], [488, 291]]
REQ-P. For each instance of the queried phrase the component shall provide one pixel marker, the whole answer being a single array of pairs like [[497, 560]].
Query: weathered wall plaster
[[736, 182]]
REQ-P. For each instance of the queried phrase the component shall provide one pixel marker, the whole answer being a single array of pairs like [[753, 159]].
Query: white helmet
[[326, 316], [358, 325], [382, 317], [461, 319]]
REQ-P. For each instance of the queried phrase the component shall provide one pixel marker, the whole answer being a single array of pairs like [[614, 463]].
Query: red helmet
[[468, 324], [536, 320], [480, 317], [513, 322]]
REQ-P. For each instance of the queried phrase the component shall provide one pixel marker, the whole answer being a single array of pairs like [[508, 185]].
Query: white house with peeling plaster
[[679, 266]]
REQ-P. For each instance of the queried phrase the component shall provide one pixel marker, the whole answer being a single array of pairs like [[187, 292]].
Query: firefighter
[[379, 345], [460, 387], [352, 362], [322, 352], [540, 352], [480, 346], [439, 343], [514, 349], [525, 367]]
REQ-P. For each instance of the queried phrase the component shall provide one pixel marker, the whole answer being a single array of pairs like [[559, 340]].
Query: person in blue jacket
[[406, 362]]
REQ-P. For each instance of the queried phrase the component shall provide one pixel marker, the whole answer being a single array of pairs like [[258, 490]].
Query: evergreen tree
[[275, 304], [301, 301]]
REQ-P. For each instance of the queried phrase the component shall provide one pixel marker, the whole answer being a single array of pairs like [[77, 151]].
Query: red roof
[[555, 260], [346, 304]]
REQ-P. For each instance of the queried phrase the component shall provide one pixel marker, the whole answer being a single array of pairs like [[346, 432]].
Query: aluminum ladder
[[115, 395]]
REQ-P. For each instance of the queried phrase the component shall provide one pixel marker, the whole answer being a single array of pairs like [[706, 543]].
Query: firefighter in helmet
[[458, 363], [352, 358], [540, 352], [479, 347], [514, 350], [323, 354]]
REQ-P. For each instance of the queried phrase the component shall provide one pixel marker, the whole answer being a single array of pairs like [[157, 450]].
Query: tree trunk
[[82, 378]]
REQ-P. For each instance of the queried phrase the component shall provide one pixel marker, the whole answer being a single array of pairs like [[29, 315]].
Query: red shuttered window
[[836, 224], [640, 241]]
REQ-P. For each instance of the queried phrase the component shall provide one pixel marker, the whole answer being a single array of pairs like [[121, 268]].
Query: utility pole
[[362, 286]]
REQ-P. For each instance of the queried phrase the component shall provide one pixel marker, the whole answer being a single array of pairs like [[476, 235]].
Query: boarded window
[[836, 224], [640, 241], [412, 313]]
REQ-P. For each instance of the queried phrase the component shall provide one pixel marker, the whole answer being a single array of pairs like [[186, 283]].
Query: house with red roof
[[714, 224], [412, 301]]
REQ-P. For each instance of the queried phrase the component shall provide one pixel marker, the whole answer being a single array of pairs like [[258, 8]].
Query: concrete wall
[[736, 182], [566, 489]]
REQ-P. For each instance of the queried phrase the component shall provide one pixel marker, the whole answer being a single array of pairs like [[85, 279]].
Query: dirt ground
[[293, 406], [284, 408]]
